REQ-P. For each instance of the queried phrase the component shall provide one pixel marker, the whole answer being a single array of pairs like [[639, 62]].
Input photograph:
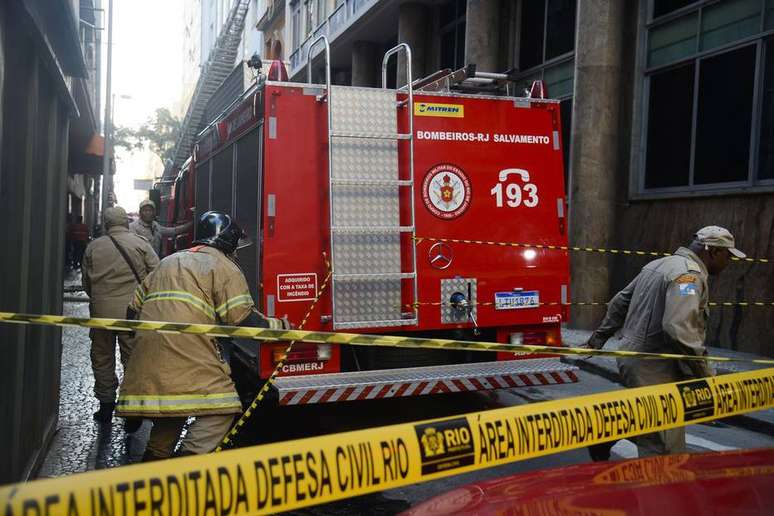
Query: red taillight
[[537, 338], [310, 353]]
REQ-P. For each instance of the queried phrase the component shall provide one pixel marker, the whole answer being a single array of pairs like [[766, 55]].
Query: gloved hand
[[279, 324]]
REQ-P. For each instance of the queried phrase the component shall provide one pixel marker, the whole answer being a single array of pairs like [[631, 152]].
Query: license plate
[[516, 300]]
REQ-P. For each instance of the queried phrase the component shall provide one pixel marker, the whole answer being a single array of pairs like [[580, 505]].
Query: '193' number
[[515, 195]]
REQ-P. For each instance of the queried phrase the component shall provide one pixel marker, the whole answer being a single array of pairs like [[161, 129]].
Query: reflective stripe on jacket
[[185, 375]]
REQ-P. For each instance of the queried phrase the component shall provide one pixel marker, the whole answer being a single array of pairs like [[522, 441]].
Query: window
[[662, 7], [703, 130], [308, 17], [546, 52], [547, 31], [452, 19], [669, 128], [295, 25], [766, 145], [320, 12], [724, 117]]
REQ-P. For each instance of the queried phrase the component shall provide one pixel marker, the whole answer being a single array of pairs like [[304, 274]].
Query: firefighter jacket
[[173, 375], [107, 278], [663, 310], [154, 232]]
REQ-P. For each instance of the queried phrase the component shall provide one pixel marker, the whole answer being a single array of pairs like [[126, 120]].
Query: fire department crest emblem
[[446, 191]]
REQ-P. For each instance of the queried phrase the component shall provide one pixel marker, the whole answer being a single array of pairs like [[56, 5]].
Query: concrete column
[[594, 155], [366, 64], [482, 34], [412, 29]]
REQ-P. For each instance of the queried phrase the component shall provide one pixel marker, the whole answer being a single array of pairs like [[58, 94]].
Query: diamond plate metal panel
[[363, 110], [421, 374], [366, 254], [359, 158], [450, 315], [369, 300], [365, 206]]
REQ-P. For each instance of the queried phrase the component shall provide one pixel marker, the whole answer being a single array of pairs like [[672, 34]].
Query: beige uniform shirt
[[107, 278], [663, 310], [154, 232], [185, 375]]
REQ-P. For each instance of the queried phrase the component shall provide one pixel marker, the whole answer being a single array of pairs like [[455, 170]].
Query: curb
[[749, 423]]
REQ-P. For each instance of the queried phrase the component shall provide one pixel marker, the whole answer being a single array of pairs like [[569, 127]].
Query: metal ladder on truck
[[368, 279]]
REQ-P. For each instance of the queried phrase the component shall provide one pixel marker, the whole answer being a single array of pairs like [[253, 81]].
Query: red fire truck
[[366, 183]]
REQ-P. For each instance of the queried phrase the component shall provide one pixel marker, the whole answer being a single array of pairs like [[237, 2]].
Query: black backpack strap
[[126, 258]]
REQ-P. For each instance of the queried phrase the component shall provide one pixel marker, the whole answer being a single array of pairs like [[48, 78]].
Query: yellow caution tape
[[294, 474], [350, 339], [419, 239]]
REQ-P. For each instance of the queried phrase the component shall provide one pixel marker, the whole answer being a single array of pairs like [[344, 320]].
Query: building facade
[[47, 123], [203, 22], [667, 114]]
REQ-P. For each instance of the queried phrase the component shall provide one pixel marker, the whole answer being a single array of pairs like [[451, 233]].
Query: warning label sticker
[[301, 286]]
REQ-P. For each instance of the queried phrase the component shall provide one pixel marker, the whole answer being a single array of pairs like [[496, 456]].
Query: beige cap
[[147, 202], [115, 216], [715, 236]]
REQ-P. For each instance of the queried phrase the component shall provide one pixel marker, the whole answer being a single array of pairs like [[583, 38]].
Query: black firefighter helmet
[[219, 230]]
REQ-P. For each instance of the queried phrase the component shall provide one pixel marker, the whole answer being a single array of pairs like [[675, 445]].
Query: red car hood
[[738, 482]]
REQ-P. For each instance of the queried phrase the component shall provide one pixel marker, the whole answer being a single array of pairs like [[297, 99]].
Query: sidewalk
[[761, 421], [80, 443]]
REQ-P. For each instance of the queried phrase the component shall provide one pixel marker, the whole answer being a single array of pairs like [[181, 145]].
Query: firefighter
[[148, 227], [113, 266], [664, 310], [172, 377]]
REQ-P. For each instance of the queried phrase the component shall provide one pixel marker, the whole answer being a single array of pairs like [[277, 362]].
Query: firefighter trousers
[[103, 361], [204, 434]]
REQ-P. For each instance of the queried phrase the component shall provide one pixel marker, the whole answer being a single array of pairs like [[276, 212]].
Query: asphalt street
[[80, 444]]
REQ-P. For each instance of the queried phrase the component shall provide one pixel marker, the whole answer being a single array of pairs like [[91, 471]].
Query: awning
[[89, 160]]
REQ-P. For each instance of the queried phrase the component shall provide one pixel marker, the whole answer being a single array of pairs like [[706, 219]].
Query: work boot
[[132, 424], [105, 412]]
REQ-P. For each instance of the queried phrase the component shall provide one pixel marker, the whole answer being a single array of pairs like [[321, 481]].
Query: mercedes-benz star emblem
[[440, 255]]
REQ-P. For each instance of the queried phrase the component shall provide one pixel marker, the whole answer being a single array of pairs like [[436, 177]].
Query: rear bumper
[[419, 381]]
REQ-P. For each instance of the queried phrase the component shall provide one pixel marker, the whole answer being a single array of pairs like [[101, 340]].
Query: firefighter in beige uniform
[[113, 265], [664, 310], [172, 377], [147, 226]]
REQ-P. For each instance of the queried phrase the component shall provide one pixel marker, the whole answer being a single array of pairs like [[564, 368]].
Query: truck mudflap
[[420, 381]]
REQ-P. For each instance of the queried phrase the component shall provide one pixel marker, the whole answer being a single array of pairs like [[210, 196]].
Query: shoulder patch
[[692, 266], [686, 278]]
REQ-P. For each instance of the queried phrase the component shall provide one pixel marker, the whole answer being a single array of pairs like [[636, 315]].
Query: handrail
[[409, 86], [324, 39]]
